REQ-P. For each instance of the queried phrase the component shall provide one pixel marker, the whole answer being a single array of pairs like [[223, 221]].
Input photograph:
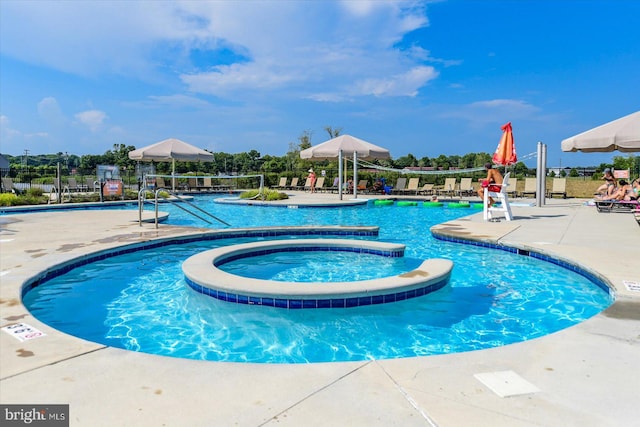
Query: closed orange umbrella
[[505, 154]]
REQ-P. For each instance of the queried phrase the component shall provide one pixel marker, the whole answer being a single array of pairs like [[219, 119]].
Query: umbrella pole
[[355, 174], [173, 175], [340, 173]]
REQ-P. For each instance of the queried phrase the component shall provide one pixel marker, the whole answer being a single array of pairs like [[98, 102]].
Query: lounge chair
[[618, 205], [335, 187], [362, 185], [529, 187], [498, 196], [466, 187], [160, 183], [427, 189], [207, 184], [282, 184], [91, 184], [72, 184], [559, 187], [412, 187], [294, 184], [9, 187], [401, 183], [307, 185], [320, 184], [449, 187]]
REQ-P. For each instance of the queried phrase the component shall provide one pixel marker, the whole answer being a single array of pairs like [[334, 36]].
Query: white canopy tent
[[346, 145], [171, 150]]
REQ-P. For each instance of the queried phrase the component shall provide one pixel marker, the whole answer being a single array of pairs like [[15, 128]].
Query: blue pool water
[[321, 267], [140, 301]]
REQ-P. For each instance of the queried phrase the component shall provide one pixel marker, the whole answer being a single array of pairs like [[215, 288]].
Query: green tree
[[406, 161], [333, 132]]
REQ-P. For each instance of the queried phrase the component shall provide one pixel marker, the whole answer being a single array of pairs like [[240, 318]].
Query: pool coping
[[585, 373], [202, 273]]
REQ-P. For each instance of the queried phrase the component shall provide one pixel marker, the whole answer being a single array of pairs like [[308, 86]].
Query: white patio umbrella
[[349, 146], [622, 134], [171, 150]]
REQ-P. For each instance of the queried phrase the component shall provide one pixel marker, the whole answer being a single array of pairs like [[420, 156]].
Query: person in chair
[[493, 177]]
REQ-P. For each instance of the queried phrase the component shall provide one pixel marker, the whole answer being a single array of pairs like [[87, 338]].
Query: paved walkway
[[587, 375]]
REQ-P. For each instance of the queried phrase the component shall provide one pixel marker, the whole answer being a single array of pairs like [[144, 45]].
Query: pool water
[[140, 301], [322, 267]]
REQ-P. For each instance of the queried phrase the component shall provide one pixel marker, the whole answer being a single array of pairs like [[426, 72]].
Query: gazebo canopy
[[622, 134], [170, 150], [346, 145]]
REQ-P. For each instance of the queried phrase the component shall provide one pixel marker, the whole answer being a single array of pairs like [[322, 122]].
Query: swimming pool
[[139, 301]]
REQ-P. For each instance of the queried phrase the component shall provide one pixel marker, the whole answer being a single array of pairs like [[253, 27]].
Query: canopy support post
[[340, 173]]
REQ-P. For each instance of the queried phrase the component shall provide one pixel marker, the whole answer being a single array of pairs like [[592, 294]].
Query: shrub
[[35, 192], [8, 199], [269, 195]]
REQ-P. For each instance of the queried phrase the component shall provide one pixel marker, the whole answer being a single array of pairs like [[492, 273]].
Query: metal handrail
[[142, 200]]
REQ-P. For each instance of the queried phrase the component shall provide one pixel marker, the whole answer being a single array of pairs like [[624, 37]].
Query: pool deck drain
[[506, 383], [587, 373]]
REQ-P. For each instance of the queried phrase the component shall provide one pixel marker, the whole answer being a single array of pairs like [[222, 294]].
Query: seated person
[[377, 186], [493, 177], [623, 192], [348, 186], [635, 187], [609, 187]]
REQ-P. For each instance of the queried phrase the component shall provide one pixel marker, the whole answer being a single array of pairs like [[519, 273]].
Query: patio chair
[[618, 206], [320, 184], [426, 190], [72, 184], [559, 187], [90, 184], [529, 187], [449, 187], [412, 187], [207, 184], [498, 196], [282, 184], [401, 183], [9, 187], [307, 185], [362, 185], [466, 187], [160, 183], [335, 187], [294, 184]]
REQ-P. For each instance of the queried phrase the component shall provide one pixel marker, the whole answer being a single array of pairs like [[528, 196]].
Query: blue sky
[[425, 78]]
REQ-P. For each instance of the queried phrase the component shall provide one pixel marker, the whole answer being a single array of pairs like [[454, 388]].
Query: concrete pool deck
[[586, 375]]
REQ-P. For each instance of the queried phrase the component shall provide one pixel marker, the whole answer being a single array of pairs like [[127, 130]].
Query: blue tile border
[[297, 304], [203, 275], [63, 268], [597, 280]]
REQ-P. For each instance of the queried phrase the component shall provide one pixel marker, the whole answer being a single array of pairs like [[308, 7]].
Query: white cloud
[[93, 119], [50, 111], [406, 84], [6, 131], [296, 49]]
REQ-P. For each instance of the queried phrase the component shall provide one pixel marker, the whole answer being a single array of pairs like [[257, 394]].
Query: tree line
[[37, 168]]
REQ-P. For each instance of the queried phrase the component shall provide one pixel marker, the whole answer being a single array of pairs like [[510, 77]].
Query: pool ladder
[[142, 200]]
